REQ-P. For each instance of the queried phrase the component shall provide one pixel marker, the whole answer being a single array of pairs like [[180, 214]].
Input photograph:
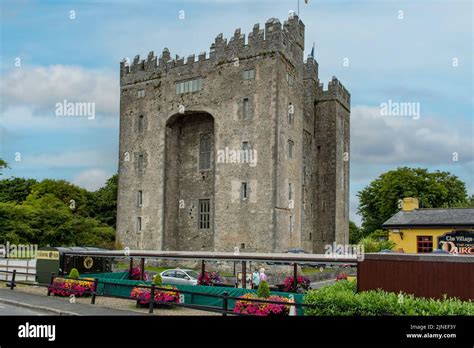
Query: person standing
[[255, 278], [263, 276]]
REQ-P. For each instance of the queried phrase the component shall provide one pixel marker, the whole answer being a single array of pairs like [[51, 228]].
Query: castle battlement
[[287, 39], [335, 90]]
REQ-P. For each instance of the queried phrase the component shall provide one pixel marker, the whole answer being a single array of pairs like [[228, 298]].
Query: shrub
[[342, 299], [209, 278], [74, 274], [157, 280], [302, 284], [67, 287], [262, 308], [143, 295], [263, 290], [374, 245]]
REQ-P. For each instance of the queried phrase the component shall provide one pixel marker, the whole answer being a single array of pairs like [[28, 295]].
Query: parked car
[[180, 276]]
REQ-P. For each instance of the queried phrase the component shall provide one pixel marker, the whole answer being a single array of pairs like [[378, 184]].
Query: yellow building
[[416, 230]]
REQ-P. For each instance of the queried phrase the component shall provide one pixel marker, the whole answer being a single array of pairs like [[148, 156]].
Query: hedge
[[342, 299]]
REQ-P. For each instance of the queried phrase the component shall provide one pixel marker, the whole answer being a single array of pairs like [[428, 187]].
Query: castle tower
[[222, 151]]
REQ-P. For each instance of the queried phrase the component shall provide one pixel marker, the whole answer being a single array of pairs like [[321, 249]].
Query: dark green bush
[[342, 299], [263, 290], [74, 274]]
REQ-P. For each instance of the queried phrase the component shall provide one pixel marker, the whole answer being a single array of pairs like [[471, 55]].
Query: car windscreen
[[193, 274]]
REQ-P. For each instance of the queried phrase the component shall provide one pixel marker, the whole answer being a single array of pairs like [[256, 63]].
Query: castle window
[[140, 124], [204, 214], [248, 74], [290, 192], [291, 146], [290, 224], [189, 86], [139, 224], [246, 108], [140, 163], [140, 198], [291, 112], [140, 93], [243, 191], [290, 79], [244, 155], [205, 152]]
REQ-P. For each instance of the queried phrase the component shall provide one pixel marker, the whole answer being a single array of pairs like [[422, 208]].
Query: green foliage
[[355, 233], [77, 199], [374, 245], [342, 299], [74, 274], [379, 200], [48, 221], [157, 280], [3, 165], [105, 202], [263, 290], [15, 189]]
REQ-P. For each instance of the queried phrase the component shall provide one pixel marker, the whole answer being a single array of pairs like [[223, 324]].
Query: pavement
[[22, 303]]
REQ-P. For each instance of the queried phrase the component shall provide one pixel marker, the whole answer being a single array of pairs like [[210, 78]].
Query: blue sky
[[400, 56]]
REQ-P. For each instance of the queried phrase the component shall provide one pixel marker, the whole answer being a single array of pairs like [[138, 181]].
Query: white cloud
[[430, 140], [70, 159], [40, 88], [91, 179]]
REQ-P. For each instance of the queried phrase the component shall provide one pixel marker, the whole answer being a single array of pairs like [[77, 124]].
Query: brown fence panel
[[421, 275]]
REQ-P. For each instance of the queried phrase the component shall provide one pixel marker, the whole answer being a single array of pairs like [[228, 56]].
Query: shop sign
[[457, 242]]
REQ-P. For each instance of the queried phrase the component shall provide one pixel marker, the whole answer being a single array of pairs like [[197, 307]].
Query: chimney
[[410, 203]]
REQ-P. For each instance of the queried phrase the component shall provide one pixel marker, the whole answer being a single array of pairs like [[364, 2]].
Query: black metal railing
[[153, 288]]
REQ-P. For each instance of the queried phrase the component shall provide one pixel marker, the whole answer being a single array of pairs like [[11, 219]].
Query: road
[[318, 285], [7, 309]]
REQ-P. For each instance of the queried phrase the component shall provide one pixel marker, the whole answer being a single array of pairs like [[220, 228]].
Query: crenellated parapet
[[335, 91], [310, 70], [288, 39]]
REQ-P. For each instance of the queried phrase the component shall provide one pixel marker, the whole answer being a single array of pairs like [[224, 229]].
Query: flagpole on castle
[[298, 8]]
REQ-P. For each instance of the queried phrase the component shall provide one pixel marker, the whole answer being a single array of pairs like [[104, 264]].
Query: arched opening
[[189, 182]]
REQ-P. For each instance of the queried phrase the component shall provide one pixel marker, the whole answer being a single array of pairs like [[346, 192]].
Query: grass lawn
[[313, 270]]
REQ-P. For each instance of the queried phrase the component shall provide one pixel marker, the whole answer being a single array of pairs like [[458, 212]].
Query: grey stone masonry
[[238, 148]]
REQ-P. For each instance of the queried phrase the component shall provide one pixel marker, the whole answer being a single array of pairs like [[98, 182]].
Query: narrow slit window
[[140, 163], [204, 214], [140, 124], [243, 191], [246, 108], [291, 146], [140, 198], [139, 224]]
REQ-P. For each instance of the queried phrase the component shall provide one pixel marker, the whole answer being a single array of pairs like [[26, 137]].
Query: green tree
[[77, 199], [263, 290], [354, 233], [3, 165], [105, 202], [379, 200], [16, 189]]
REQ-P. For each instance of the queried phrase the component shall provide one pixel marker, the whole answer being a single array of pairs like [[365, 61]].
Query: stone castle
[[239, 148]]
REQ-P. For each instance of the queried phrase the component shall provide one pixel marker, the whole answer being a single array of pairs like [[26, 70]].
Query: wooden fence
[[422, 275]]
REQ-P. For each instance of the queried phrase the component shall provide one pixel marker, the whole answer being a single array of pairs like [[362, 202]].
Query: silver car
[[180, 276]]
